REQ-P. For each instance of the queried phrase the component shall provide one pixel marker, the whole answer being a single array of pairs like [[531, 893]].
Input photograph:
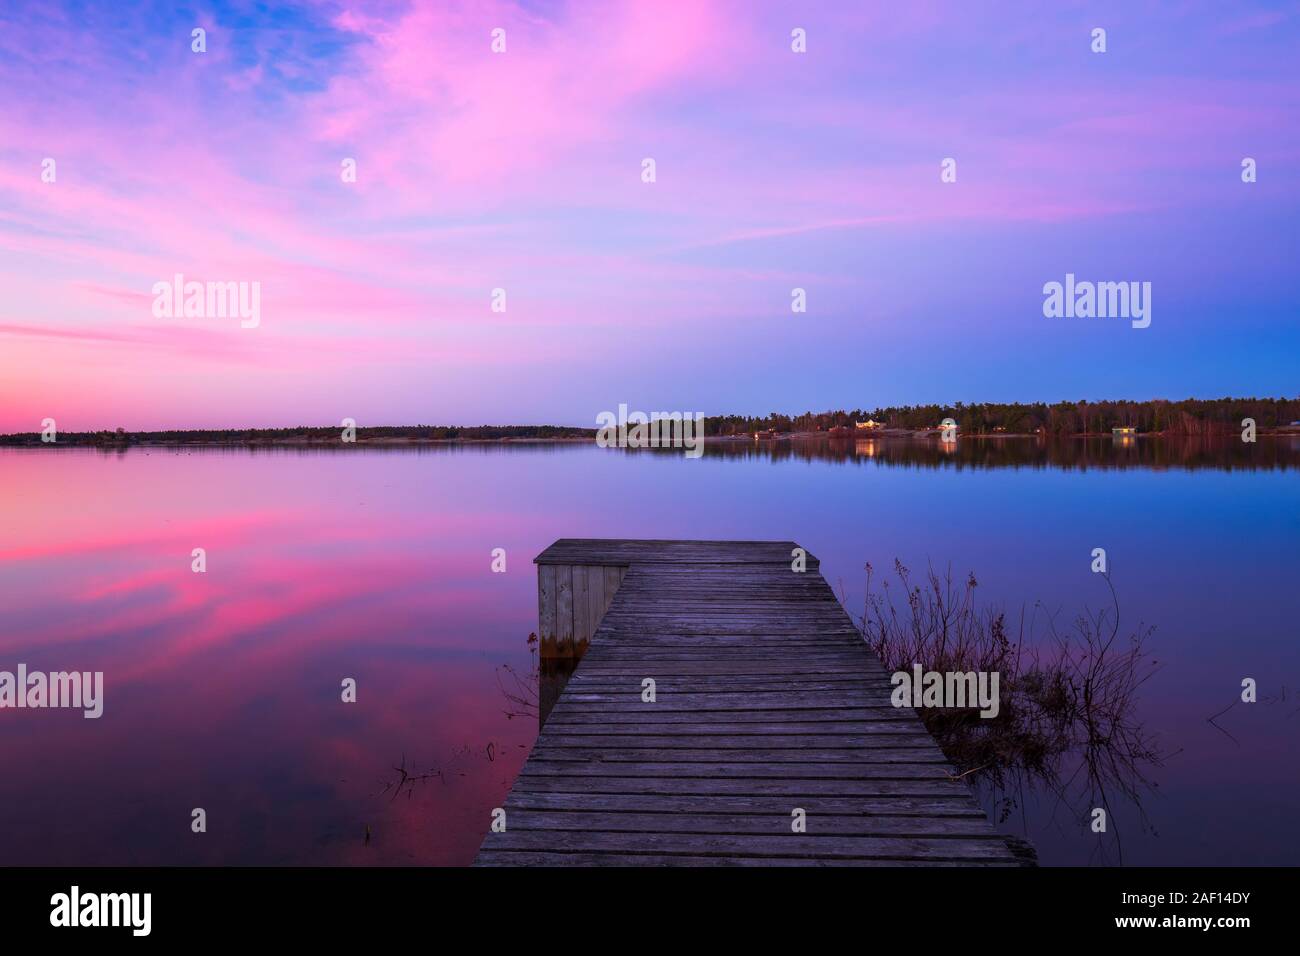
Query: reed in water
[[1068, 696]]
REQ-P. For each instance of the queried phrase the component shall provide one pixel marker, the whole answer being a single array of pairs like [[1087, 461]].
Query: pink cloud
[[521, 170]]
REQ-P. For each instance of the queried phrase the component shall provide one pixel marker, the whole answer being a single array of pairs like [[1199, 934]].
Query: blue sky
[[522, 170]]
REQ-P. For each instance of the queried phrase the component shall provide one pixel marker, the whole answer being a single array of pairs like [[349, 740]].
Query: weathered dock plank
[[766, 702]]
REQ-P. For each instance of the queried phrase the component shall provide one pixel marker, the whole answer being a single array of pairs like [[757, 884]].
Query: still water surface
[[222, 689]]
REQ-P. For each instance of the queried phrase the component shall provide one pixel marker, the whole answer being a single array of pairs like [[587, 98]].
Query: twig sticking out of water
[[520, 690], [1211, 720], [407, 780]]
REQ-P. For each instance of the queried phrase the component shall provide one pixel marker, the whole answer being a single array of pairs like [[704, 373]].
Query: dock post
[[571, 600]]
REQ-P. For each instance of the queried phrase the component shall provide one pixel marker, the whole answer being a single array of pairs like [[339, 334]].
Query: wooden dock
[[767, 702]]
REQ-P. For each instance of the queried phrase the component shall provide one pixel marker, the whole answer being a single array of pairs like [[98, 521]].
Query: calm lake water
[[222, 689]]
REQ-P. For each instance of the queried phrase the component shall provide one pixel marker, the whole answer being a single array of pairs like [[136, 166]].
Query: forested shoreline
[[1189, 417]]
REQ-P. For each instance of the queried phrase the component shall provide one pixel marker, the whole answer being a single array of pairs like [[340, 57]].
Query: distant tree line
[[1193, 416]]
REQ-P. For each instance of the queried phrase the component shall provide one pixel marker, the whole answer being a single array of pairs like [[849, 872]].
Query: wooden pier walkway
[[766, 701]]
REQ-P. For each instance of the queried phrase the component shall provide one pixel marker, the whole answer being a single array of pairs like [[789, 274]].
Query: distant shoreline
[[72, 442], [1192, 417], [133, 440]]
